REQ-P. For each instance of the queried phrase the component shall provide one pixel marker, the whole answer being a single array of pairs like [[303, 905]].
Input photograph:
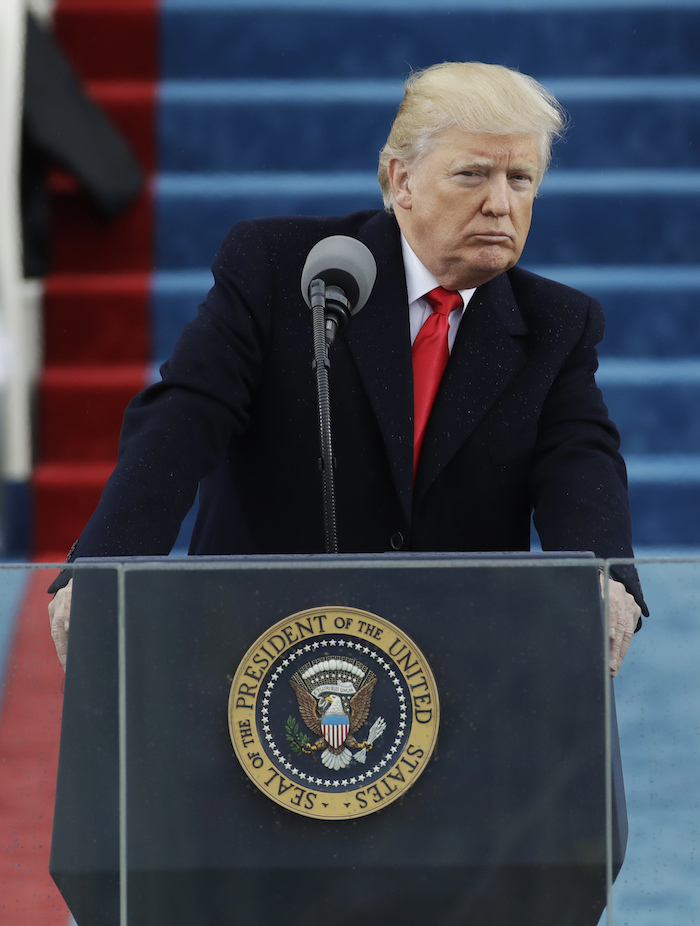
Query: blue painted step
[[220, 126], [386, 40], [651, 312], [594, 219], [656, 404], [665, 498]]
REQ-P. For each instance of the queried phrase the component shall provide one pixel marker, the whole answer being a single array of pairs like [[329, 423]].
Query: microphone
[[340, 271], [336, 281]]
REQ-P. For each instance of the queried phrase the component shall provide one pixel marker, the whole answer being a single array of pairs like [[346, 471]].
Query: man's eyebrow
[[525, 166], [466, 163], [482, 163]]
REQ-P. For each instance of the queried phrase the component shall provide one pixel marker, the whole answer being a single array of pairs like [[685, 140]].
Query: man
[[517, 423]]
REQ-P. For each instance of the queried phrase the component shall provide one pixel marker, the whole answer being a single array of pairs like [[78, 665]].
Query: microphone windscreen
[[344, 262]]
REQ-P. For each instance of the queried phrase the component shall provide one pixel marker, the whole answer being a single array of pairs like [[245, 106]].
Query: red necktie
[[430, 355]]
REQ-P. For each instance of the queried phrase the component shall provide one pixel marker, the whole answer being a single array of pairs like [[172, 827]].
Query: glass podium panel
[[658, 705], [31, 699], [398, 739], [159, 818]]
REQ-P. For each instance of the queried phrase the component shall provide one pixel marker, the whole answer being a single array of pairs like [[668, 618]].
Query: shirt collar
[[419, 280]]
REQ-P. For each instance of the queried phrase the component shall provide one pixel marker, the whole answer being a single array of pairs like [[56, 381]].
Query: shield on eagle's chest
[[335, 729]]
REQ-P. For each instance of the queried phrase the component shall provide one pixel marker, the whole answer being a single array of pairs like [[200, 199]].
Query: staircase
[[97, 330], [281, 107]]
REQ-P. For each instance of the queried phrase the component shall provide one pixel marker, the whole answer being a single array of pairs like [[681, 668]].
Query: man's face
[[466, 207]]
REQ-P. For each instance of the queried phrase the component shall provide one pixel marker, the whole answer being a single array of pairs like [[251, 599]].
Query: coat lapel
[[485, 358], [379, 340]]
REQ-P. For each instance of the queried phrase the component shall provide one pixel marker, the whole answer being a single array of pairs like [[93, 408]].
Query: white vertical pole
[[16, 430]]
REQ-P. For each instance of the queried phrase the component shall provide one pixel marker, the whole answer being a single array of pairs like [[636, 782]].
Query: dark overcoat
[[519, 424]]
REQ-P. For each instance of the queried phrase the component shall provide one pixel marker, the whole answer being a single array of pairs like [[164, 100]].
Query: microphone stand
[[330, 310]]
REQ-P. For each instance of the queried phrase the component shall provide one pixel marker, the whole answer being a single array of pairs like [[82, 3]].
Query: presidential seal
[[333, 713]]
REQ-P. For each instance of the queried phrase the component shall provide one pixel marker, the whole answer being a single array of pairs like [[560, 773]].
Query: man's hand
[[624, 617], [59, 615]]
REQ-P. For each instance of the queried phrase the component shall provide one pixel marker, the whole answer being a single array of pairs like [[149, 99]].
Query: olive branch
[[295, 737]]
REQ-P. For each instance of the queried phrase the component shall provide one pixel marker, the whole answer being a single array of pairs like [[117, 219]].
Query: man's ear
[[399, 179]]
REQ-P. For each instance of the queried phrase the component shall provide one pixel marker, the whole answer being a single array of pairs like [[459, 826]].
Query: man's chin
[[476, 273]]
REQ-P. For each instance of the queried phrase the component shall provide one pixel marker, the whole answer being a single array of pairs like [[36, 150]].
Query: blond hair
[[478, 98]]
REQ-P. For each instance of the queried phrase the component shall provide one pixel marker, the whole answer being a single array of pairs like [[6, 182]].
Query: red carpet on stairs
[[29, 737], [96, 304]]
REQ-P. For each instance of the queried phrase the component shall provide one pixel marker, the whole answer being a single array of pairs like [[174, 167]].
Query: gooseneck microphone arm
[[336, 281], [321, 364]]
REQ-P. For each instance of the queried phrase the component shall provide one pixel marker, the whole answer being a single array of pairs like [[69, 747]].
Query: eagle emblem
[[334, 697]]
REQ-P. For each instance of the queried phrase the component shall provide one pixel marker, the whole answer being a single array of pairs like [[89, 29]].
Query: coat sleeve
[[578, 481]]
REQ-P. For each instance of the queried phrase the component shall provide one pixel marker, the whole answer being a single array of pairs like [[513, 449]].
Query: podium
[[516, 817]]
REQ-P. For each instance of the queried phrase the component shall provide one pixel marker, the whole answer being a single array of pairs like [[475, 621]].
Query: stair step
[[369, 6], [654, 469], [65, 495], [65, 475], [110, 39], [654, 403], [82, 410], [651, 311], [646, 183], [309, 125], [620, 217], [84, 241], [665, 499], [684, 372], [388, 39], [174, 300], [97, 319], [663, 301], [131, 106]]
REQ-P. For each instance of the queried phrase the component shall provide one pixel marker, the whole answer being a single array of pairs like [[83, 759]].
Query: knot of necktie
[[443, 301]]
